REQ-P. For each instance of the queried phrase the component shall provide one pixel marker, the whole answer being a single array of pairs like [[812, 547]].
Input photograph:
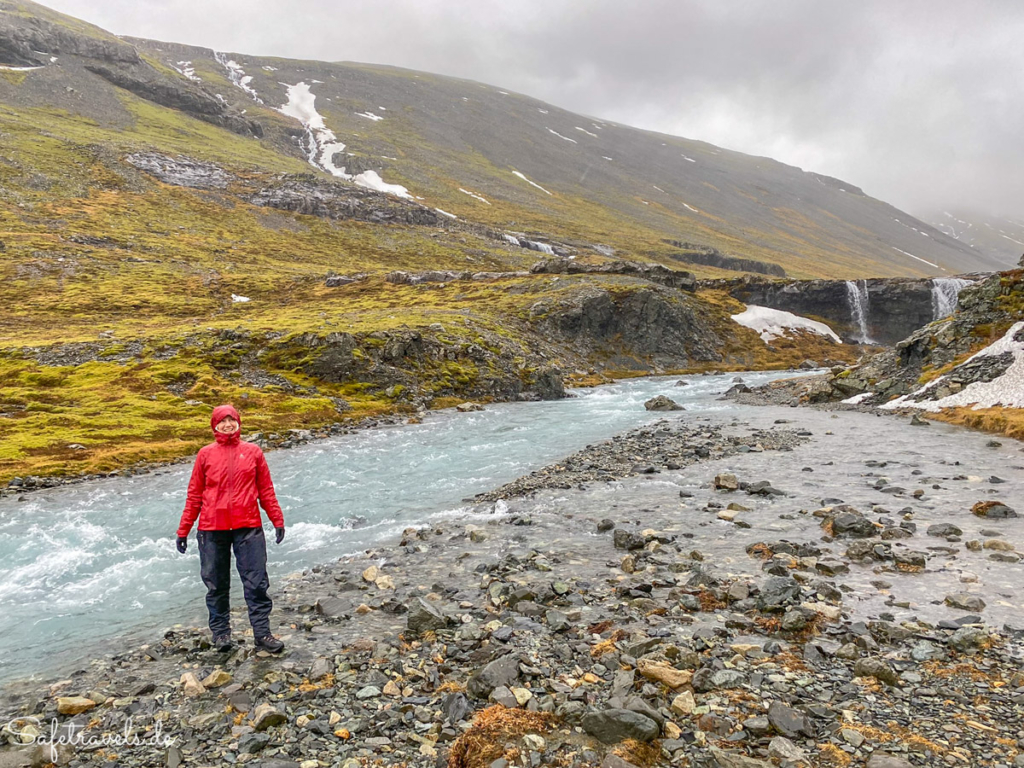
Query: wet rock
[[267, 716], [943, 530], [965, 601], [74, 705], [727, 481], [878, 669], [663, 403], [782, 748], [969, 639], [718, 758], [502, 671], [788, 721], [880, 760], [777, 593], [847, 522], [614, 725], [252, 743], [628, 540], [992, 510], [424, 617]]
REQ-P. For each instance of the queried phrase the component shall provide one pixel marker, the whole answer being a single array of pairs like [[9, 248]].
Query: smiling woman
[[230, 481]]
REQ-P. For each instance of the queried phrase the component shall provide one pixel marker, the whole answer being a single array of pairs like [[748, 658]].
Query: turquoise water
[[94, 561]]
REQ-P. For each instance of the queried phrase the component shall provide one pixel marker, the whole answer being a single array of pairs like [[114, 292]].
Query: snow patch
[[473, 195], [268, 68], [772, 323], [691, 207], [1006, 390], [445, 213], [857, 399], [237, 75], [369, 115], [688, 159], [322, 145], [925, 261], [586, 131], [542, 111], [561, 136], [186, 69], [538, 186], [18, 69], [371, 180], [239, 299], [607, 158]]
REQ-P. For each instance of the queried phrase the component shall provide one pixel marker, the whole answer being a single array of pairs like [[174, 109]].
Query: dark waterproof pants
[[250, 549]]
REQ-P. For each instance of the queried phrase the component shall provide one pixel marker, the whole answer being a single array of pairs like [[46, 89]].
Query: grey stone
[[615, 725]]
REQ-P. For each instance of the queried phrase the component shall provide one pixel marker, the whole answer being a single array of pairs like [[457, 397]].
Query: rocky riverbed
[[719, 590]]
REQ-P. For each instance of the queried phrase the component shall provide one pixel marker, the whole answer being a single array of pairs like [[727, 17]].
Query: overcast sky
[[919, 102]]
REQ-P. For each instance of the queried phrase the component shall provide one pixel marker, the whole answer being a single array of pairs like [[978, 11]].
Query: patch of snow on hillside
[[268, 68], [772, 323], [239, 299], [1006, 390], [322, 144], [237, 75], [857, 399], [18, 69], [445, 213], [691, 207], [930, 264], [503, 93], [561, 136], [607, 158], [471, 194], [658, 188], [542, 111], [371, 180], [586, 131], [1018, 242], [186, 69], [369, 115], [688, 159], [538, 186]]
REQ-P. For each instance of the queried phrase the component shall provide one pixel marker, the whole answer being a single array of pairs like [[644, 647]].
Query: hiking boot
[[270, 644], [222, 643]]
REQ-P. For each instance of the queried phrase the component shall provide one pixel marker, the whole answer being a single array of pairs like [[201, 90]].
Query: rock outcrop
[[877, 311]]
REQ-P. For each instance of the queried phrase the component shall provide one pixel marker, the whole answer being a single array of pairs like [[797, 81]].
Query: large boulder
[[614, 725]]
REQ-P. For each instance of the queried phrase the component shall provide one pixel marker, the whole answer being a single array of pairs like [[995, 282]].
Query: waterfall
[[857, 298], [946, 295]]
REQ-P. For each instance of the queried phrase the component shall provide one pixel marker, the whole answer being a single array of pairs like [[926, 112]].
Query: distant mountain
[[1000, 238], [474, 151]]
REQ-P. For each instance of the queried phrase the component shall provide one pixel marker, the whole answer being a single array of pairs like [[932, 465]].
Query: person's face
[[227, 425]]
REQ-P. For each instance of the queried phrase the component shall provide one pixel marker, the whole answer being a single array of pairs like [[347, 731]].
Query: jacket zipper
[[231, 483]]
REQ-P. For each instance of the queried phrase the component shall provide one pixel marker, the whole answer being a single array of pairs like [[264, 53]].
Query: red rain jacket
[[228, 478]]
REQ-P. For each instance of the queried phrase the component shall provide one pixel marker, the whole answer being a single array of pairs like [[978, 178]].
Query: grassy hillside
[[135, 301]]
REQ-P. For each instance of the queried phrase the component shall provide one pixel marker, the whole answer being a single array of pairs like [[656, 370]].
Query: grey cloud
[[918, 102]]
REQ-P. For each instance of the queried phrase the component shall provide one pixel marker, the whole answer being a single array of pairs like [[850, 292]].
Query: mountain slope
[[1001, 238], [166, 244], [444, 138]]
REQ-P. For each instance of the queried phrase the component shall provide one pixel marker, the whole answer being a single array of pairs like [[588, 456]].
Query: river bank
[[727, 619]]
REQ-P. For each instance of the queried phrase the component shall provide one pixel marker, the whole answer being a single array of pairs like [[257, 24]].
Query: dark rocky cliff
[[893, 308]]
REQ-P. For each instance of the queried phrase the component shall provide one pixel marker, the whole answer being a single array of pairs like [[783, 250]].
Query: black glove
[[280, 534], [182, 544]]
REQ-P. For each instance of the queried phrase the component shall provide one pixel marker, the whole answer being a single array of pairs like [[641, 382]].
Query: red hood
[[219, 413]]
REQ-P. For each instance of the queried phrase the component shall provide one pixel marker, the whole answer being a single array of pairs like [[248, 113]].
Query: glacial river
[[95, 562]]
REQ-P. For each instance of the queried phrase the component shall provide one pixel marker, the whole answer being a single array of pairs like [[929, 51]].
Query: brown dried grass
[[493, 735]]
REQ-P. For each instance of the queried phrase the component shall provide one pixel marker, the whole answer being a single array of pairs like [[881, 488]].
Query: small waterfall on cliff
[[946, 295], [857, 298]]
